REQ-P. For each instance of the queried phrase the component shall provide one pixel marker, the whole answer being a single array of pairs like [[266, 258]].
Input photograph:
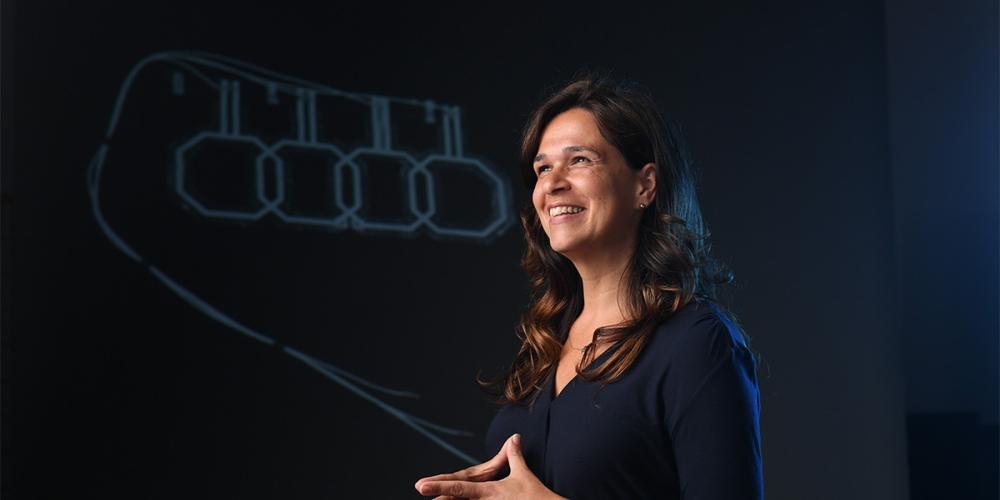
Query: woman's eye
[[543, 168], [579, 159]]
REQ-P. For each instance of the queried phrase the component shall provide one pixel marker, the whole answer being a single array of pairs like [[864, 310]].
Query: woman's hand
[[477, 482]]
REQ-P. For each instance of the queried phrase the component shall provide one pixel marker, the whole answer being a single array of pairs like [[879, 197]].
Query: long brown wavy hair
[[671, 264]]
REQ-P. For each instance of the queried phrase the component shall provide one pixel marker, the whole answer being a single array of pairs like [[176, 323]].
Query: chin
[[562, 247]]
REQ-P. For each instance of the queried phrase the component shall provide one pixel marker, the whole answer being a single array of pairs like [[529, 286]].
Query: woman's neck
[[603, 298]]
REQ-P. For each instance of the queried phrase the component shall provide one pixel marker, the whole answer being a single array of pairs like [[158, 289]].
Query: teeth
[[564, 210]]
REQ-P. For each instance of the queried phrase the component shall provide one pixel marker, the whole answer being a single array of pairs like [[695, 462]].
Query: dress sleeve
[[715, 434]]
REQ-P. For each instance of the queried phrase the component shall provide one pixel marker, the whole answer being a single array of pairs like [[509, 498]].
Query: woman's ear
[[647, 184]]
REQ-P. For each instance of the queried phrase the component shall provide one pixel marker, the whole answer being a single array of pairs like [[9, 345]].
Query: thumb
[[515, 458]]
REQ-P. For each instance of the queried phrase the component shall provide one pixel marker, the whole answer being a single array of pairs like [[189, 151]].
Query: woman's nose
[[555, 180]]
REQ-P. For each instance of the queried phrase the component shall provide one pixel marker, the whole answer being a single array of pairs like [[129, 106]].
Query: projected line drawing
[[349, 167], [349, 209]]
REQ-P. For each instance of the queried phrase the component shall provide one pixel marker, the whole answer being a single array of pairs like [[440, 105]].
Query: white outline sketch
[[306, 92]]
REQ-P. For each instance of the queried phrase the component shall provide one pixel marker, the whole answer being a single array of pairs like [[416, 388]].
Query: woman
[[631, 382]]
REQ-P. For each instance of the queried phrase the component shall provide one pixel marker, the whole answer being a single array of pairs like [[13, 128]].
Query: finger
[[489, 469], [455, 489], [515, 456], [470, 474], [482, 472], [454, 476]]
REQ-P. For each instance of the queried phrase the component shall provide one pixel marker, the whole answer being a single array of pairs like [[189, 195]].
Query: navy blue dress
[[681, 422]]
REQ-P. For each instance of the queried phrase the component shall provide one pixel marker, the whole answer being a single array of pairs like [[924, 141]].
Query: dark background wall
[[943, 88], [943, 104], [825, 173]]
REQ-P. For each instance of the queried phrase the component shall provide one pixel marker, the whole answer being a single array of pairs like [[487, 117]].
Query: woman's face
[[586, 197]]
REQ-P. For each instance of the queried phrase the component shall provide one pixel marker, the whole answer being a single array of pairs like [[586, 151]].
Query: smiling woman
[[586, 196], [632, 381]]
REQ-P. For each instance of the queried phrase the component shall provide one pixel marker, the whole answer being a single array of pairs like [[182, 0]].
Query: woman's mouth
[[561, 210]]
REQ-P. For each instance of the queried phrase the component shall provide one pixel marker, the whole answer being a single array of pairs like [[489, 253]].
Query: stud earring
[[642, 206]]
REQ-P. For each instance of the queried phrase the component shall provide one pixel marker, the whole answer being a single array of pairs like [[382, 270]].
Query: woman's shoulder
[[700, 332], [698, 350]]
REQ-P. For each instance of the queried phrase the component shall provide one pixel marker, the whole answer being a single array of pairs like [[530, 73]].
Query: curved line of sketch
[[229, 126]]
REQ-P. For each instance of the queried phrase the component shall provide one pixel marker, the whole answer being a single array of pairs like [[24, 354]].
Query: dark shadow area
[[952, 456]]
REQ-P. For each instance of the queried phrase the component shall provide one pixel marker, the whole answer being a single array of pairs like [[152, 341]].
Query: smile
[[554, 211]]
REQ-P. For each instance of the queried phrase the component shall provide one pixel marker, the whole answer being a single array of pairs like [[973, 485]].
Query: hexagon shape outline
[[180, 166], [338, 222], [501, 204], [357, 221]]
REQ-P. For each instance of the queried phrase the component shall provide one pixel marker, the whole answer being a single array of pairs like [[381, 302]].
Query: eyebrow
[[567, 149]]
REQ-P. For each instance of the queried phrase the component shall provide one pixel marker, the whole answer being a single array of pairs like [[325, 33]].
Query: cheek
[[537, 199]]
